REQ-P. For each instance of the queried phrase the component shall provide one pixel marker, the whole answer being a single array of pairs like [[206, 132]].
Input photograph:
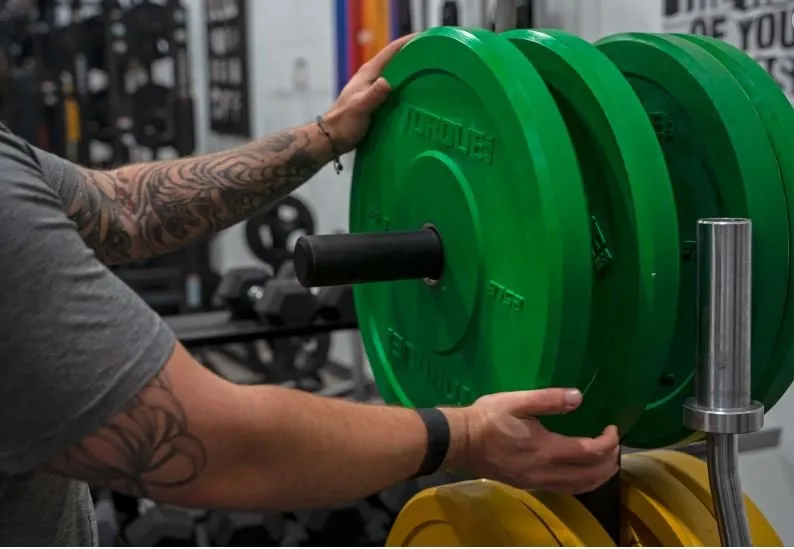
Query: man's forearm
[[317, 451], [142, 210], [192, 439]]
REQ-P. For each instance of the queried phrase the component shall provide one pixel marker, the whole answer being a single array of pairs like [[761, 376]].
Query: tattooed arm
[[143, 210], [194, 440]]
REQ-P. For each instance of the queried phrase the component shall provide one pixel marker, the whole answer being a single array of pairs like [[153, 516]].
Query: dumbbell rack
[[722, 406]]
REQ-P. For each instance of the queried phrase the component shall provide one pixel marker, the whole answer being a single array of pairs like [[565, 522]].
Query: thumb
[[542, 402], [376, 94]]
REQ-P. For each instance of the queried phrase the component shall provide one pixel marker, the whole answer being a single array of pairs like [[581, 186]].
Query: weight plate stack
[[693, 474], [568, 511], [483, 513], [652, 479], [634, 227], [552, 188], [721, 164], [772, 379], [470, 141], [648, 523], [665, 502]]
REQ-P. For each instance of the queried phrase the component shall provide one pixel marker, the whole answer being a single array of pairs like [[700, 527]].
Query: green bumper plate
[[721, 164], [471, 142], [634, 227], [772, 379]]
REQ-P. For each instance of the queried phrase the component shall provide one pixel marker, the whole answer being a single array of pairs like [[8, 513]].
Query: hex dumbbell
[[239, 289], [286, 303]]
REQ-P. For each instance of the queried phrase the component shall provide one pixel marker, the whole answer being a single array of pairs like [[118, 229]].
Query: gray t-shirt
[[75, 345]]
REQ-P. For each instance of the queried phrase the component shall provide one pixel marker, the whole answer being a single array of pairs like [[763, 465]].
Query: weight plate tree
[[523, 215], [634, 225], [501, 190], [776, 113], [721, 164]]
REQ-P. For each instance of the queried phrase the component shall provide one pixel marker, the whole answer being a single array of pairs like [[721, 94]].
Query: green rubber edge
[[621, 378], [563, 199], [777, 114], [761, 193]]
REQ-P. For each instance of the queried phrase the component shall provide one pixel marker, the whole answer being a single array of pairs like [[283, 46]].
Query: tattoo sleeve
[[147, 447], [142, 210]]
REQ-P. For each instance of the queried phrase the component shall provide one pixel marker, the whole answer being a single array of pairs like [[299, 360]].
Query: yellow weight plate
[[692, 472], [476, 513], [656, 480], [567, 519], [576, 517], [648, 523]]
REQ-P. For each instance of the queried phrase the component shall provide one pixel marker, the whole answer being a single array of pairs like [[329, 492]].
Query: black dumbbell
[[240, 288], [162, 527], [245, 529], [286, 303], [336, 303]]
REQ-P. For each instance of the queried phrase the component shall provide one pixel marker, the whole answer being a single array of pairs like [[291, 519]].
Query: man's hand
[[349, 117], [504, 441]]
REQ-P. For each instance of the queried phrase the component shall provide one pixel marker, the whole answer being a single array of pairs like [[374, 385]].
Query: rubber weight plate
[[470, 141], [487, 513], [772, 379], [647, 522], [693, 473], [469, 514], [567, 510], [634, 228], [721, 164], [652, 478]]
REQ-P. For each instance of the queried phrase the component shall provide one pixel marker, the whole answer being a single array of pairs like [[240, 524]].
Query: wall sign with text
[[227, 60], [762, 28]]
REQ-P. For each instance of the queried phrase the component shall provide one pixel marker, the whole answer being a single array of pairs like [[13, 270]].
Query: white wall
[[280, 31], [594, 19]]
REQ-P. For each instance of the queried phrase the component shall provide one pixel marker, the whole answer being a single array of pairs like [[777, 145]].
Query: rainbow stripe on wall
[[363, 28]]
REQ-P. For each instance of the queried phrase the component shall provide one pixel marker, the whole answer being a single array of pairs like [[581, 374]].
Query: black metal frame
[[236, 25], [218, 328]]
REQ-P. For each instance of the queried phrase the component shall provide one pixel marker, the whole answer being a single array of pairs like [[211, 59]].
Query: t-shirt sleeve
[[76, 343], [59, 174]]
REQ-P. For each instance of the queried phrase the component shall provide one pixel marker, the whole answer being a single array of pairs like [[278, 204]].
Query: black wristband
[[438, 440]]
